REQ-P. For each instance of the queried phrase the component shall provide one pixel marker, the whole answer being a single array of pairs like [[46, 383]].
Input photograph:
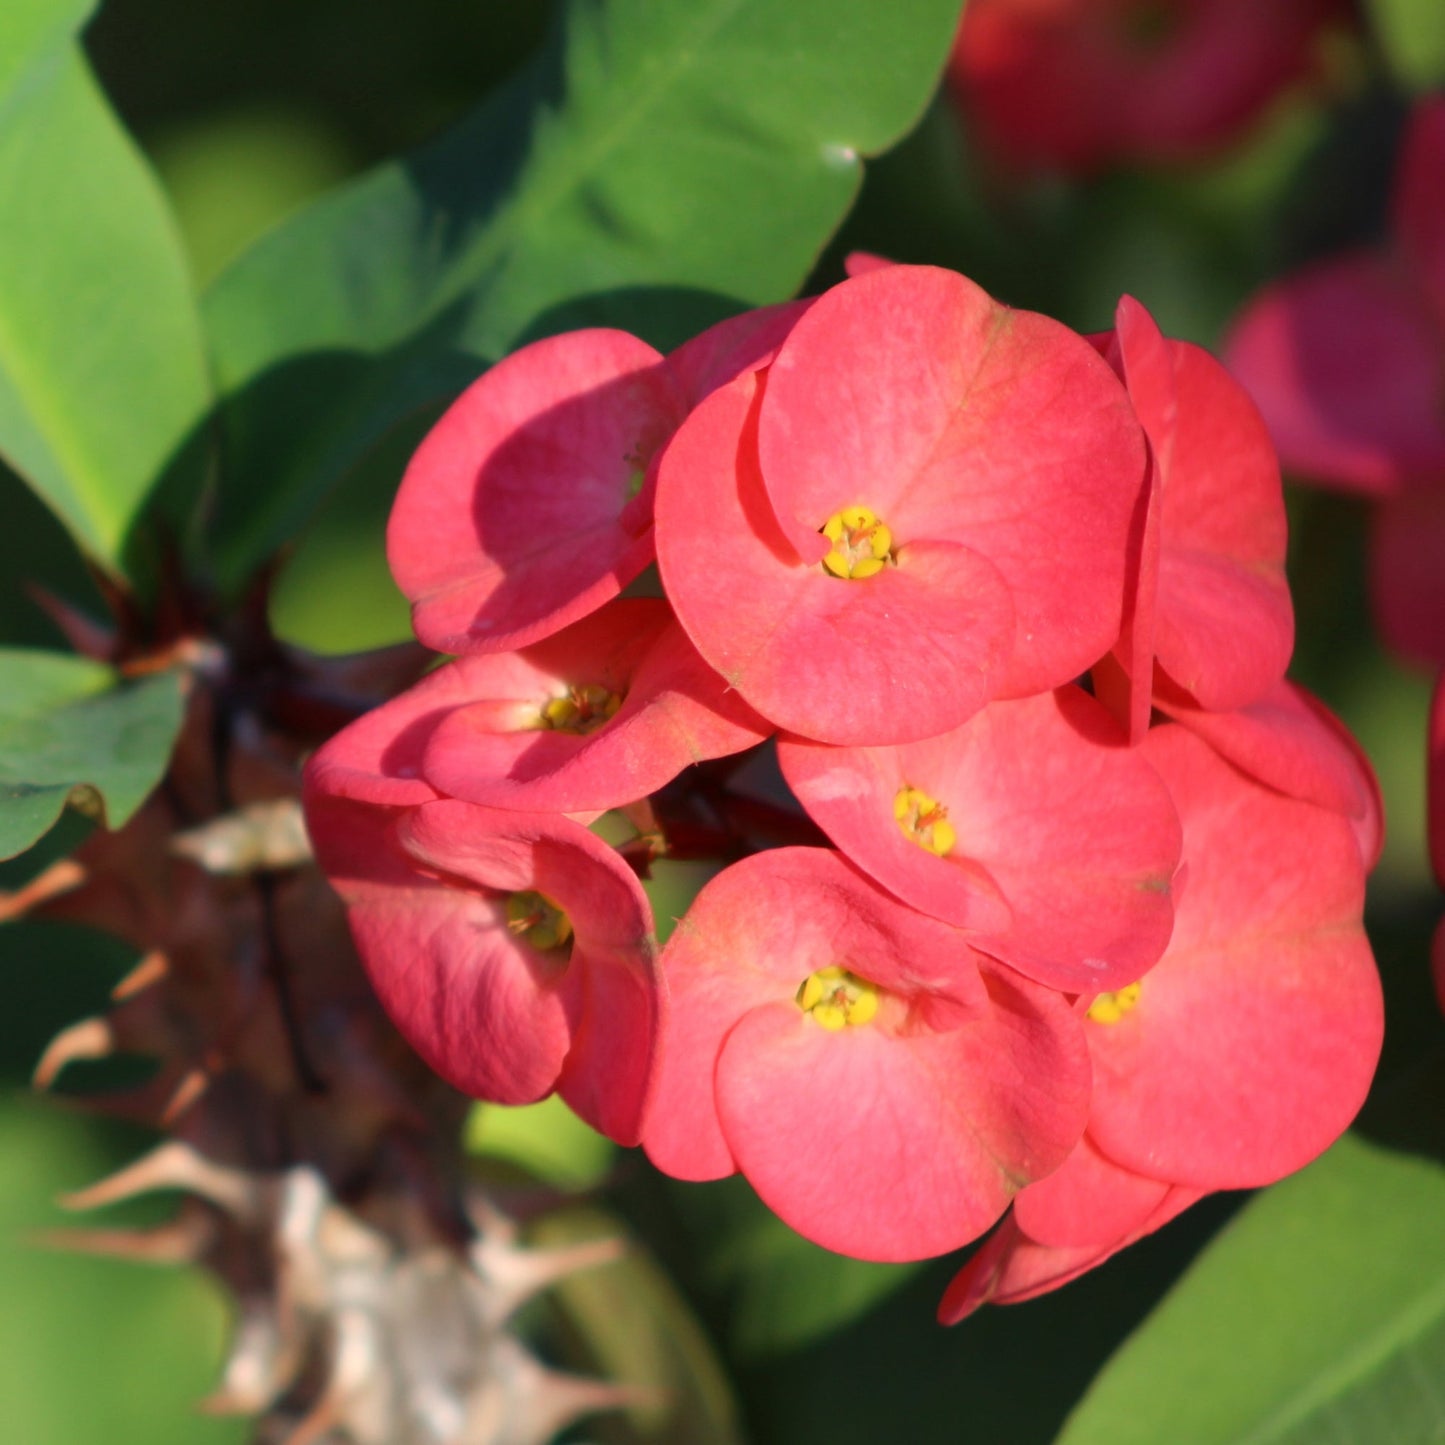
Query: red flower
[[1241, 1056], [1347, 362], [529, 503], [513, 950], [1074, 85], [596, 716], [1208, 616], [1031, 826], [924, 487], [883, 1087]]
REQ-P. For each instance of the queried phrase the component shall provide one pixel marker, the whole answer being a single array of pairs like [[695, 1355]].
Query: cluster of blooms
[[1076, 85], [1346, 360], [1007, 607]]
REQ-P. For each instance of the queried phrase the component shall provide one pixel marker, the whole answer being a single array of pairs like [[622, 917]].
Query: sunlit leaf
[[1412, 33], [659, 164], [102, 375], [1319, 1314]]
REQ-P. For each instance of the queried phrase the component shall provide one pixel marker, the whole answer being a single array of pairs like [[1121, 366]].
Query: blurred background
[[248, 110]]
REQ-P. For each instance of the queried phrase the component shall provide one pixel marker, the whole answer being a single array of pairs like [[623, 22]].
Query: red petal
[[1065, 841], [1255, 1036], [508, 524], [1407, 573], [908, 391], [909, 652], [1348, 371], [1087, 1202]]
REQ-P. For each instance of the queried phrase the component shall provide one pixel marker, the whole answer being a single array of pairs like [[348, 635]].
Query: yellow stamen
[[835, 998], [535, 917], [582, 709], [1109, 1008], [862, 545], [924, 821]]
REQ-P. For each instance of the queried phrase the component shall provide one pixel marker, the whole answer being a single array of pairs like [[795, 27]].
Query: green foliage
[[1318, 1315], [662, 162], [92, 1350], [102, 374], [71, 731], [1412, 33]]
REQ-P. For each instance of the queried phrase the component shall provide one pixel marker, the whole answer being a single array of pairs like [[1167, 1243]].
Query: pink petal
[[1226, 627], [479, 1005], [1088, 1202], [1435, 780], [1011, 1267], [1437, 962], [613, 1005], [675, 711], [1065, 840], [509, 522], [1215, 610], [1348, 371], [1407, 573], [496, 1016], [908, 391], [1070, 85], [1124, 679], [722, 353], [377, 758], [1290, 741], [1419, 201], [898, 1146], [804, 648], [1254, 1039], [860, 263], [987, 1067]]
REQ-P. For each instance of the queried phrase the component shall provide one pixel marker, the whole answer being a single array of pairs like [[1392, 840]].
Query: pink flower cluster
[[1077, 85], [1346, 360], [1007, 607]]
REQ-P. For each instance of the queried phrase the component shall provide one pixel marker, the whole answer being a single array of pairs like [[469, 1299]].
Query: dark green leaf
[[660, 163], [1319, 1315], [70, 729], [102, 373]]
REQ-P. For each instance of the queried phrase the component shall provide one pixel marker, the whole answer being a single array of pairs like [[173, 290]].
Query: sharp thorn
[[171, 1165], [61, 877], [89, 1039], [554, 1400], [193, 1084], [182, 1240], [86, 635], [514, 1275], [149, 971]]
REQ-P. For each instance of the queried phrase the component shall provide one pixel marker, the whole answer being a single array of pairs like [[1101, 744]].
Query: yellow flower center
[[536, 918], [581, 709], [836, 998], [924, 821], [1109, 1008], [862, 545]]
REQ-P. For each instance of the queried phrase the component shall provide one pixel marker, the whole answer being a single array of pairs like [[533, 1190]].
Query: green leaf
[[660, 163], [1412, 33], [102, 372], [32, 34], [71, 731], [91, 1349], [1318, 1315]]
